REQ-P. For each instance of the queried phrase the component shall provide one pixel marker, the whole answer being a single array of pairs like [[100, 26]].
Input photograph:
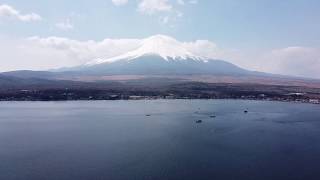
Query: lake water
[[116, 140]]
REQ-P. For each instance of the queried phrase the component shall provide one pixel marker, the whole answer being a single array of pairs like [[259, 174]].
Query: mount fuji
[[159, 55]]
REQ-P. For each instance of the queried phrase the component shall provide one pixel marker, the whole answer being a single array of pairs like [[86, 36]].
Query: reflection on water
[[159, 139]]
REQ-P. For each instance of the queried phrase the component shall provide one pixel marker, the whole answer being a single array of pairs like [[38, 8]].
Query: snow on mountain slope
[[166, 47], [159, 55]]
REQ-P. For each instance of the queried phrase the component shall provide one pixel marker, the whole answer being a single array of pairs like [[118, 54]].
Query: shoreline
[[154, 99]]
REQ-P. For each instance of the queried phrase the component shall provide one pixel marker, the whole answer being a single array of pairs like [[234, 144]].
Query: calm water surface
[[115, 140]]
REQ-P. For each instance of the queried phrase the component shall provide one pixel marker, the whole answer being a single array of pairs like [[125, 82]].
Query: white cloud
[[209, 49], [153, 6], [295, 61], [171, 18], [30, 56], [193, 2], [119, 2], [179, 14], [65, 25], [81, 52], [37, 53], [166, 11], [7, 11], [202, 48], [181, 2], [53, 52], [299, 61], [164, 20]]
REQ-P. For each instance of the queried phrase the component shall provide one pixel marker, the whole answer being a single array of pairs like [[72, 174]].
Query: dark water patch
[[115, 140]]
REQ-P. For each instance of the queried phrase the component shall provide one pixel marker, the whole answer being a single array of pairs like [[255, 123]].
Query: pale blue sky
[[262, 30], [230, 23]]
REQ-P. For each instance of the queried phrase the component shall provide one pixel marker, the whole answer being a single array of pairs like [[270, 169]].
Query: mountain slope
[[156, 65]]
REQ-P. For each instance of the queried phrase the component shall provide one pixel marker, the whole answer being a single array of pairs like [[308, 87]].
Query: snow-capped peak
[[165, 46]]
